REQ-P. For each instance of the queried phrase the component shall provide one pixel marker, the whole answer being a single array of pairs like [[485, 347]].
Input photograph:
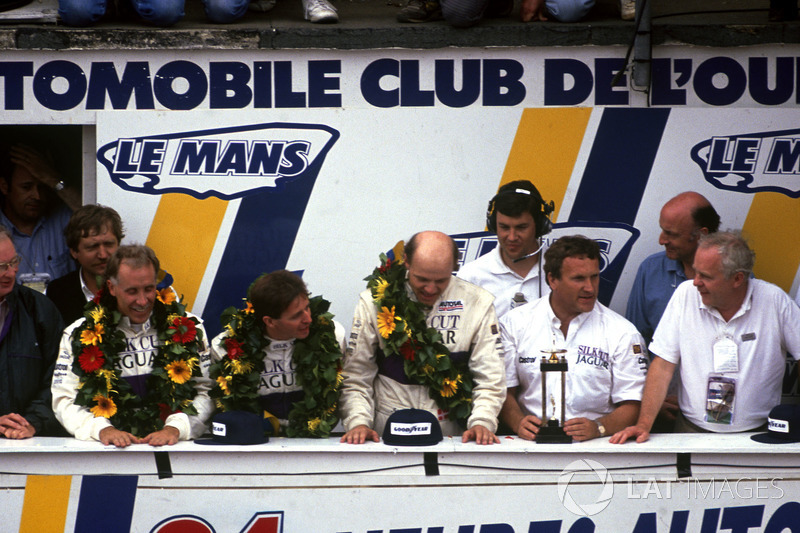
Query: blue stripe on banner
[[260, 240], [106, 504], [616, 176]]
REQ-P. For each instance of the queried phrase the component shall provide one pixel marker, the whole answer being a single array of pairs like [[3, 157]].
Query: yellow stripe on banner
[[777, 256], [545, 149], [44, 508], [183, 234]]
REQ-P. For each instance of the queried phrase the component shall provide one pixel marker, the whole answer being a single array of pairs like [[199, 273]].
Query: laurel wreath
[[405, 332], [318, 369], [170, 387]]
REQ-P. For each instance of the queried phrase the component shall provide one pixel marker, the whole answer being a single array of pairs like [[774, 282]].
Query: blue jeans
[[86, 12], [225, 11]]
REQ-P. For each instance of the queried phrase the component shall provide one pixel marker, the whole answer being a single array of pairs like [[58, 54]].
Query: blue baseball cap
[[236, 427]]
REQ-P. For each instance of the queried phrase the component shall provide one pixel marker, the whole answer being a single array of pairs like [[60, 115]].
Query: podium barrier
[[672, 483]]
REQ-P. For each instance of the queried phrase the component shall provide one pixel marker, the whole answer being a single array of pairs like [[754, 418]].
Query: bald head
[[697, 208], [432, 244], [683, 220], [430, 258]]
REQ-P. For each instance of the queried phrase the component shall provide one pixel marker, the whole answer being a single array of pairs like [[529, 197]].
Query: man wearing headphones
[[513, 270]]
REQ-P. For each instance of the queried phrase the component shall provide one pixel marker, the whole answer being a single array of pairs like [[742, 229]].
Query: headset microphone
[[524, 257]]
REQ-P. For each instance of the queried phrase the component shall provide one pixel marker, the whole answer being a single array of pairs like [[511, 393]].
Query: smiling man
[[93, 234], [127, 373], [606, 356], [376, 384], [512, 272], [282, 309], [728, 334], [683, 220]]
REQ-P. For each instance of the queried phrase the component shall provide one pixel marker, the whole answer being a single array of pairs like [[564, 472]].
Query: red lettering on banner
[[183, 524], [259, 523], [265, 523]]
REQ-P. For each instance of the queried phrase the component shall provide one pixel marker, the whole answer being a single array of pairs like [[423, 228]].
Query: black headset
[[537, 207]]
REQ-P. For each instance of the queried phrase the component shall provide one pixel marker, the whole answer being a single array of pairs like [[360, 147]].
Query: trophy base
[[552, 433]]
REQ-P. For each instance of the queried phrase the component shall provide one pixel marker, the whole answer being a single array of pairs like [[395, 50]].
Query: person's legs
[[81, 12], [569, 10], [225, 11], [463, 13], [261, 5], [159, 12], [420, 11]]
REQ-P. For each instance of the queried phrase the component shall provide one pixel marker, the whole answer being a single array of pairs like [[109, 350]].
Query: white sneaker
[[320, 11], [627, 9], [261, 5]]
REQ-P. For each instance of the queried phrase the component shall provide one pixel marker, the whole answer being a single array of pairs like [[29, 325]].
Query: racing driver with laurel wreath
[[135, 368], [423, 339], [280, 356]]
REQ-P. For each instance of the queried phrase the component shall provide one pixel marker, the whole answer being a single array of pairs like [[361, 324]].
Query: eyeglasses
[[14, 263]]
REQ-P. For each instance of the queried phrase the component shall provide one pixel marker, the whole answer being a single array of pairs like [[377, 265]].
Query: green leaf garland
[[406, 334], [318, 369], [96, 345]]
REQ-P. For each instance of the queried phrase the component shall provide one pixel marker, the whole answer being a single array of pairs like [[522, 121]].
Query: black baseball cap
[[783, 425], [236, 427], [412, 427]]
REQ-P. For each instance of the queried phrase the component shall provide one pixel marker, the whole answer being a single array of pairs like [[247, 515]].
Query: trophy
[[552, 429]]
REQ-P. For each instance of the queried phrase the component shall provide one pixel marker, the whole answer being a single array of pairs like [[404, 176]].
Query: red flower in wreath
[[164, 411], [234, 348], [91, 359], [408, 350], [185, 330], [383, 269]]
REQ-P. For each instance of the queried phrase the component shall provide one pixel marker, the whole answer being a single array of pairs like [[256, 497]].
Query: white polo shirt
[[765, 327], [490, 272], [606, 357]]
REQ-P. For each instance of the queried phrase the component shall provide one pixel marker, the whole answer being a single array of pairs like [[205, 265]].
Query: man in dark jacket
[[93, 234], [30, 330]]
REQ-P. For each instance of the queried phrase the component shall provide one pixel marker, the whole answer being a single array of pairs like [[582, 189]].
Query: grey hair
[[733, 249], [135, 255]]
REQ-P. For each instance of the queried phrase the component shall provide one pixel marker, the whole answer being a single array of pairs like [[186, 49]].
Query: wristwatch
[[600, 427], [59, 186]]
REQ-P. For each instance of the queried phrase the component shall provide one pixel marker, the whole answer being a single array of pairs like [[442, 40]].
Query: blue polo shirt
[[656, 280], [45, 250]]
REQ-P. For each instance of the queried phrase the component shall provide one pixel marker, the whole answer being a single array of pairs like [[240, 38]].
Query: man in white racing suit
[[281, 305], [131, 289], [375, 384]]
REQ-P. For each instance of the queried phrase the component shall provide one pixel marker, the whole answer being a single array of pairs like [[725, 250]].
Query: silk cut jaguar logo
[[271, 522]]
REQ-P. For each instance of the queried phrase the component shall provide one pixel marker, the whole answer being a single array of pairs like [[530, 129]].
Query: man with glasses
[[30, 331]]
